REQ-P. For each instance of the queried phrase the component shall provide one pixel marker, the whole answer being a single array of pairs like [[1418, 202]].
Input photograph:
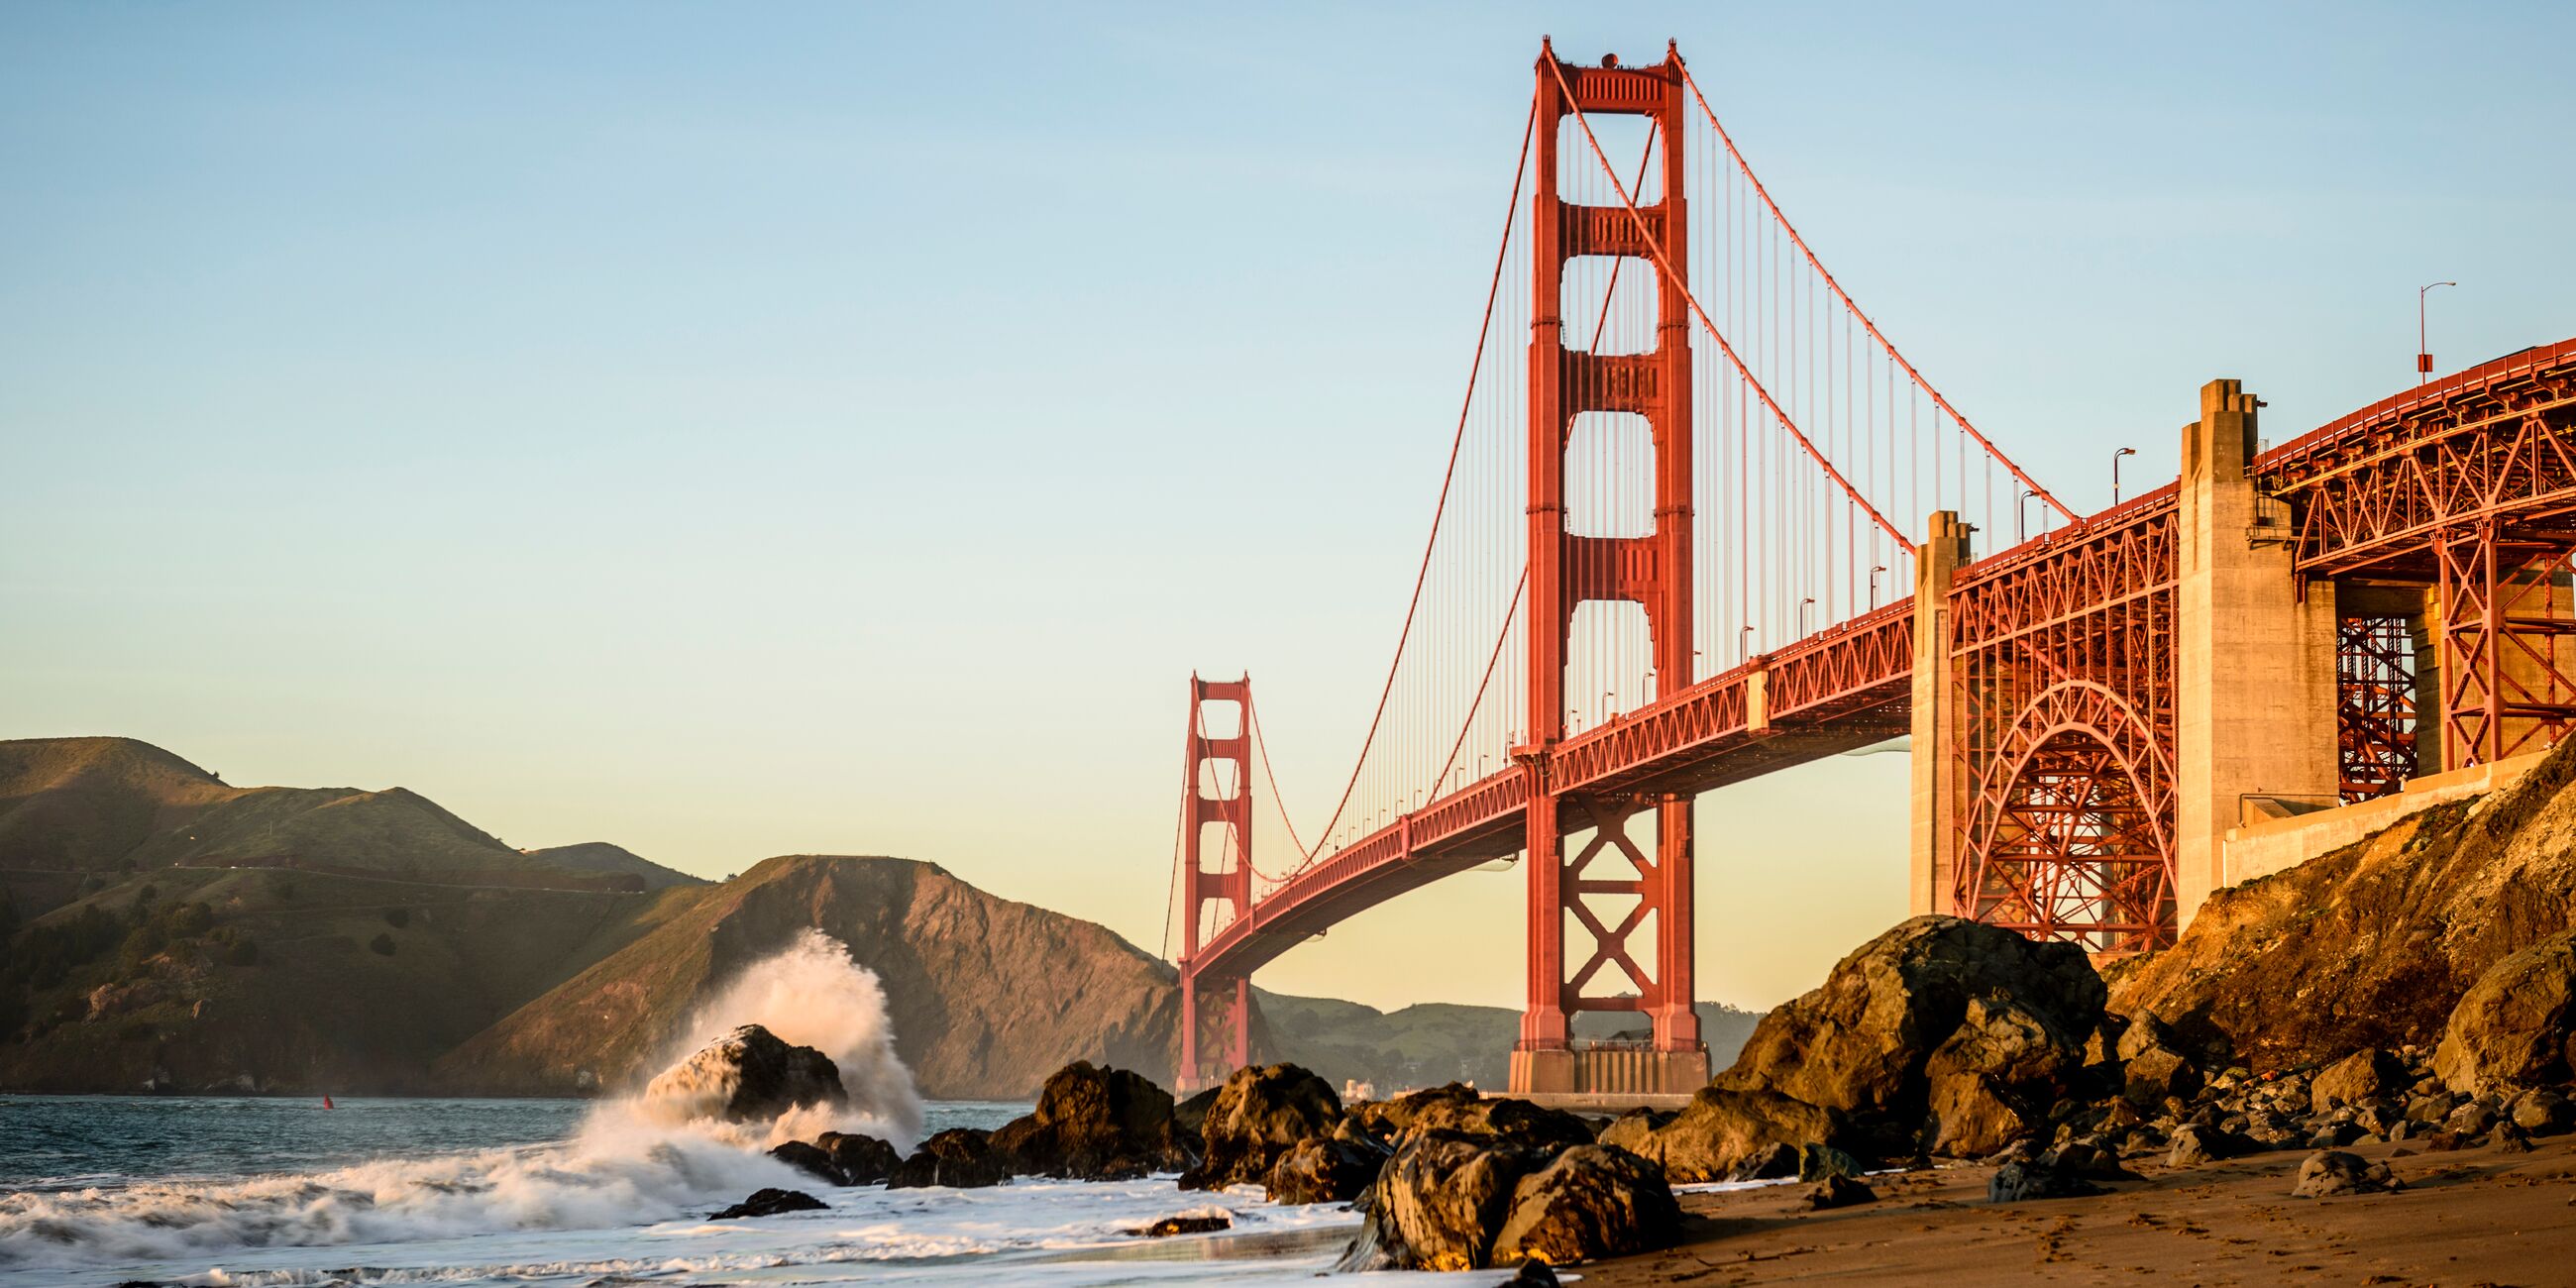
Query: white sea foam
[[622, 1168]]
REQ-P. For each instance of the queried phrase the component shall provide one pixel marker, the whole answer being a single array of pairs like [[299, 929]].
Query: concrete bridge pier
[[1935, 798], [2254, 652]]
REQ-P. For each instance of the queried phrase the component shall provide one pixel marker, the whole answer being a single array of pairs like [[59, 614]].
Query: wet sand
[[2467, 1217]]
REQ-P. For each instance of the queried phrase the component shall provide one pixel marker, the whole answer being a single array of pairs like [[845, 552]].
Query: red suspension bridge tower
[[1619, 891]]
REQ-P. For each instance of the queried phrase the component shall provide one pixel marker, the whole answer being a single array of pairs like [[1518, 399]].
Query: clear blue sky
[[741, 430]]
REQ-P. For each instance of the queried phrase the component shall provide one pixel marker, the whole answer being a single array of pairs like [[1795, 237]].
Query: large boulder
[[1385, 1120], [771, 1203], [861, 1160], [1506, 1119], [1323, 1169], [959, 1158], [1094, 1124], [1993, 1080], [1256, 1117], [1723, 1129], [2359, 1078], [2517, 1024], [1860, 1043], [1437, 1205], [1591, 1201], [748, 1075]]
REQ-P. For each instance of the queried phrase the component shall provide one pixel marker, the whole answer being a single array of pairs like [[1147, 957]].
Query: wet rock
[[2020, 1182], [1533, 1273], [1186, 1223], [2516, 1024], [1190, 1115], [1257, 1115], [2365, 1075], [959, 1158], [1589, 1202], [2330, 1172], [1774, 1163], [2335, 1135], [860, 1160], [1816, 1162], [1323, 1169], [1437, 1205], [748, 1075], [771, 1203], [808, 1159], [1836, 1192], [1095, 1124], [2510, 1139], [1859, 1044], [1723, 1129]]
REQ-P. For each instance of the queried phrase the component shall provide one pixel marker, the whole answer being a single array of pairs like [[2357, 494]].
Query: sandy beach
[[2469, 1217]]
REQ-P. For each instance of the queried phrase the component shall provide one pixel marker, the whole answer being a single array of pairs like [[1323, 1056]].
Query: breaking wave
[[626, 1165]]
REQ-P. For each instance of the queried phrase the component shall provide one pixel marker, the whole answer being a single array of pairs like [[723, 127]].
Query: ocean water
[[98, 1190]]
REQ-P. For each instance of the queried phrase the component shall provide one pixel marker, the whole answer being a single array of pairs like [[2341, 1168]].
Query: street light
[[1803, 606], [2115, 471], [2423, 351], [1747, 649], [1874, 571], [2021, 516]]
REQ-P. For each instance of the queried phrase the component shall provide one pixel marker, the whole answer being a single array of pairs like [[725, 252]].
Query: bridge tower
[[1216, 871], [1569, 568]]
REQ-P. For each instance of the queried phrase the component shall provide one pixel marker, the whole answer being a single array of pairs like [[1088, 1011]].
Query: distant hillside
[[1435, 1042], [106, 806], [987, 996], [600, 856]]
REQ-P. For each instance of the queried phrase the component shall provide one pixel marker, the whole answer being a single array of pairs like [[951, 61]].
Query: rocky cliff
[[2374, 944]]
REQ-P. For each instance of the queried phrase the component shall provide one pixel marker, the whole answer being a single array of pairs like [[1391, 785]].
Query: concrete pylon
[[1935, 797], [2255, 688]]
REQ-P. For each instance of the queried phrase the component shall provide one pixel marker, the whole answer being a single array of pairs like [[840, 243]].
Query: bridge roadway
[[1850, 685]]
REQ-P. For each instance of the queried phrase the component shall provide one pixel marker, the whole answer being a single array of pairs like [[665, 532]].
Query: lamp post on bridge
[[2424, 351], [1747, 649], [1803, 606], [2115, 471], [1874, 571], [2021, 516]]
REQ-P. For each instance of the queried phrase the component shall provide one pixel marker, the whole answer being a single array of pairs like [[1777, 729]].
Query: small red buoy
[[326, 1103]]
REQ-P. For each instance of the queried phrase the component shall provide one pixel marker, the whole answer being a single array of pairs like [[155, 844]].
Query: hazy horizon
[[841, 430]]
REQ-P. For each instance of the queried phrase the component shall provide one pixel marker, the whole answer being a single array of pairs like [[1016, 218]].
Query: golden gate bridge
[[1702, 520]]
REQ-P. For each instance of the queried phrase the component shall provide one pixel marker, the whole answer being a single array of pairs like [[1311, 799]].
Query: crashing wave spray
[[810, 995], [625, 1166]]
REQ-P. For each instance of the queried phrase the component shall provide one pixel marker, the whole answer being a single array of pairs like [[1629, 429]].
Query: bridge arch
[[2070, 831]]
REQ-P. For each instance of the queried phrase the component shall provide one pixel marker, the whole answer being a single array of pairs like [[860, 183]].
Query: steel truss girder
[[2375, 727], [2069, 830]]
